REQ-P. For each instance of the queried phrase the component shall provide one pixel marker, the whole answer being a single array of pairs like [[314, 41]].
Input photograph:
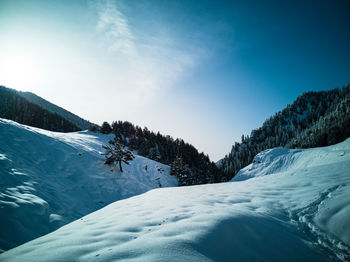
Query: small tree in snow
[[115, 152], [106, 128]]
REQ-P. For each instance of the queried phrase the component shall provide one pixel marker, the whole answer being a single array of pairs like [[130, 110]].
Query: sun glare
[[18, 69]]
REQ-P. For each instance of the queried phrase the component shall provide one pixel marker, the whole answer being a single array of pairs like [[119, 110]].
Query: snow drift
[[48, 179], [295, 206]]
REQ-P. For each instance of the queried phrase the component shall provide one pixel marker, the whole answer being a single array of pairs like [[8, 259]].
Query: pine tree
[[165, 149], [154, 153], [94, 128], [106, 128], [180, 171], [115, 152], [314, 119]]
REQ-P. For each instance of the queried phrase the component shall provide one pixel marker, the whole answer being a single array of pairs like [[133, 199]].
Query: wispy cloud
[[113, 24], [148, 64]]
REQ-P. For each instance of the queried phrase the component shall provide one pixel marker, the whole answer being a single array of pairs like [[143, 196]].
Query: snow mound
[[298, 213], [49, 179], [276, 160]]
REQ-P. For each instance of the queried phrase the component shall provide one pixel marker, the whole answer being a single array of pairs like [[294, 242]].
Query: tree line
[[19, 109], [314, 119], [187, 164]]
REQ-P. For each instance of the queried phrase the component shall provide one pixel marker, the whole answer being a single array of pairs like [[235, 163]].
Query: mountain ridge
[[78, 121], [314, 119], [30, 109]]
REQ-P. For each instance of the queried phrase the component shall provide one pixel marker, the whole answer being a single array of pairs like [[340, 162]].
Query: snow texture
[[49, 179], [290, 205]]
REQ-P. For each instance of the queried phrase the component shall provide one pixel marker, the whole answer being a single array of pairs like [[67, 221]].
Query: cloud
[[113, 24], [145, 62]]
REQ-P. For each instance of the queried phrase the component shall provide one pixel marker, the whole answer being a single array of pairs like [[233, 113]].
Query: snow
[[276, 160], [49, 179], [290, 205]]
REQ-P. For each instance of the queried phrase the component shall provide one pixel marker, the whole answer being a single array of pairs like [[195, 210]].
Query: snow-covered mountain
[[289, 205], [314, 119], [48, 179]]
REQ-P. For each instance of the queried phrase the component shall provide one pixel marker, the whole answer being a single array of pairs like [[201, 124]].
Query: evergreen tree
[[314, 119], [94, 128], [115, 152], [106, 128], [17, 108], [180, 171], [165, 149]]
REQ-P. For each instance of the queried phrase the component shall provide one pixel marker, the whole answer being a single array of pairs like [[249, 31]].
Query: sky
[[204, 71]]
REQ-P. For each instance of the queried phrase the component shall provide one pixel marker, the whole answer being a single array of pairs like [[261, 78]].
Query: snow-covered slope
[[279, 159], [299, 212], [48, 179]]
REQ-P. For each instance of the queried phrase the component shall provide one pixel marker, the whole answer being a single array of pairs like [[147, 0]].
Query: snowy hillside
[[314, 119], [295, 206], [48, 179], [76, 120], [280, 159]]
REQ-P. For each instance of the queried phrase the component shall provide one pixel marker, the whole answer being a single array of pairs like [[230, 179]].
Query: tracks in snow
[[336, 249]]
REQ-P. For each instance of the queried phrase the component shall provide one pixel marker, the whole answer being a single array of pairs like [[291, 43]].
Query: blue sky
[[205, 71]]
